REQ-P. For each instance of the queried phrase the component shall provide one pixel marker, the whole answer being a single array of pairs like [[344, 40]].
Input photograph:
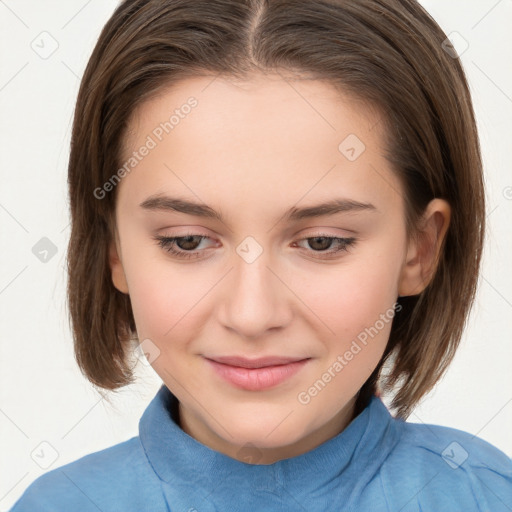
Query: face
[[265, 315]]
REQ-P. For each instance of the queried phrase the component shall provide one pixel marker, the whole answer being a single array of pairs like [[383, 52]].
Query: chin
[[264, 432]]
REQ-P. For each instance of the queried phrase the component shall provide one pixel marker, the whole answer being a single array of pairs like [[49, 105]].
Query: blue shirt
[[377, 464]]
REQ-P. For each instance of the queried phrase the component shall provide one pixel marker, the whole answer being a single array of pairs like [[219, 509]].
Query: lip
[[256, 374], [261, 362]]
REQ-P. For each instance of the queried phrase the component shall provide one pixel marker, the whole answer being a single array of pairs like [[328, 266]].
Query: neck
[[253, 454]]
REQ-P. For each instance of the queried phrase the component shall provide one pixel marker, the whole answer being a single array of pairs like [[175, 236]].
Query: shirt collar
[[178, 458]]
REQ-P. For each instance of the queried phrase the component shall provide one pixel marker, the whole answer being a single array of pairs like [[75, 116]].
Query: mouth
[[262, 362], [256, 374]]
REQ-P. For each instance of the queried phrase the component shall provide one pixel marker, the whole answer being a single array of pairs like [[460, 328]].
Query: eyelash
[[168, 244]]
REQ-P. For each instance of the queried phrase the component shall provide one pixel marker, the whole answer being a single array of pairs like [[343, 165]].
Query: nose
[[256, 298]]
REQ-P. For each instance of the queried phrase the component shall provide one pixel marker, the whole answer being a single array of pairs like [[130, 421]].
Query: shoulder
[[443, 468], [91, 482]]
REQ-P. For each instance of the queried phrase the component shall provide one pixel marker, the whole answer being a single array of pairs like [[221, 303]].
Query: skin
[[251, 150]]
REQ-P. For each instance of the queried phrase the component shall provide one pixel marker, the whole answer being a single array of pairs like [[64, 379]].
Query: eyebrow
[[166, 203]]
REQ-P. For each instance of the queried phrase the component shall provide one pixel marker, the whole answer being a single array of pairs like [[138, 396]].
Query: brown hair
[[389, 53]]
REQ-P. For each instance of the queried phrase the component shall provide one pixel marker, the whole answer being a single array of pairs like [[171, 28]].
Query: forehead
[[266, 137], [227, 103]]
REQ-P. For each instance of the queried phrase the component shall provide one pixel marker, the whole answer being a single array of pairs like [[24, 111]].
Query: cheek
[[356, 303], [166, 305], [354, 295], [165, 297]]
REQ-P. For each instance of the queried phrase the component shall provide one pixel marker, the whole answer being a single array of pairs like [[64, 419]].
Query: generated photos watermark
[[305, 396], [151, 142]]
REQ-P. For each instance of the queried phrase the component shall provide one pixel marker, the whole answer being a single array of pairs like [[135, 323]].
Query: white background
[[44, 398]]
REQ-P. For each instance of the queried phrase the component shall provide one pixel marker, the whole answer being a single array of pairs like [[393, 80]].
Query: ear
[[116, 266], [424, 249]]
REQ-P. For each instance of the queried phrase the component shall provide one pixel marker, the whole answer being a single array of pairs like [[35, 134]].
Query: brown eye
[[181, 246], [320, 243], [188, 243]]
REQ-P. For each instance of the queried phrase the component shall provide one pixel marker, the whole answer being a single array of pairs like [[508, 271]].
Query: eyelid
[[306, 236], [168, 244]]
